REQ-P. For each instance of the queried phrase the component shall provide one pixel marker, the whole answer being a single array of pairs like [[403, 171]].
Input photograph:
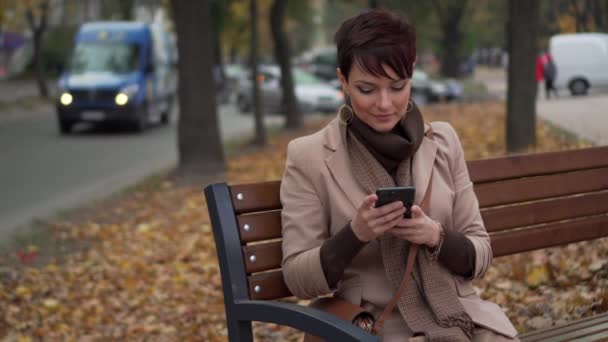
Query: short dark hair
[[373, 38]]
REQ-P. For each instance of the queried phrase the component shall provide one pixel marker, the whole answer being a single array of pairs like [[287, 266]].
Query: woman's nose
[[384, 101]]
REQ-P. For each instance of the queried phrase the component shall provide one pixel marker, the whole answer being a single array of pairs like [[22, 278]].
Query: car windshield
[[302, 77], [117, 58]]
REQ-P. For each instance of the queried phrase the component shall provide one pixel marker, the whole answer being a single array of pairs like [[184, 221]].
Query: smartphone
[[405, 194]]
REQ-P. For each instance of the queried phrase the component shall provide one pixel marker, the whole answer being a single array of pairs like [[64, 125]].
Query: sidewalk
[[583, 116], [19, 98], [15, 90]]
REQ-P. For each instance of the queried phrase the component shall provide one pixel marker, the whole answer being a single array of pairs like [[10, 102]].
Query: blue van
[[118, 72]]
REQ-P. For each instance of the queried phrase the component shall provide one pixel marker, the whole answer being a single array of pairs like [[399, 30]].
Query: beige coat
[[320, 195]]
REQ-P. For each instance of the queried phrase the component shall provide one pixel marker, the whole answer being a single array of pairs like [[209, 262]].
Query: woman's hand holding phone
[[420, 229], [370, 222]]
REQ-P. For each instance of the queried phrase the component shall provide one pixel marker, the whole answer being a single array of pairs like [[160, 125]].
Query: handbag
[[356, 314]]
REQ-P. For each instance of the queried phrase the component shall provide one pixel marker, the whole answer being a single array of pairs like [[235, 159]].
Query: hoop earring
[[345, 115], [410, 106]]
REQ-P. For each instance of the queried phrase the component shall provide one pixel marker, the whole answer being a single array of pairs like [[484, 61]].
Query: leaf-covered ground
[[148, 269]]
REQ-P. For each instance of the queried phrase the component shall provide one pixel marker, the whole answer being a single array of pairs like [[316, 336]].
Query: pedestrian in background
[[539, 67], [549, 74]]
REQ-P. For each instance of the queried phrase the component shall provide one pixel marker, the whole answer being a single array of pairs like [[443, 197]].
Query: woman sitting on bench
[[335, 239]]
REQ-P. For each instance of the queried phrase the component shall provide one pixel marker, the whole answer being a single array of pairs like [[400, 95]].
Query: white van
[[581, 60]]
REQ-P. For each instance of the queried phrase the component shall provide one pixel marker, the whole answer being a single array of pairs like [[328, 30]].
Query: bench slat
[[503, 218], [262, 257], [549, 236], [262, 226], [526, 165], [544, 334], [272, 286], [591, 333], [256, 197], [535, 188], [595, 337]]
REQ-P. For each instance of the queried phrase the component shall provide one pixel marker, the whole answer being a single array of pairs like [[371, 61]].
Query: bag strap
[[411, 257]]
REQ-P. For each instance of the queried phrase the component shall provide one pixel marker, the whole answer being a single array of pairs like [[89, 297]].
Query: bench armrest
[[303, 318]]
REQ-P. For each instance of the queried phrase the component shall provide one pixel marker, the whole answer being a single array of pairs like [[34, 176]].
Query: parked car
[[234, 74], [313, 94], [427, 89], [581, 60], [118, 71], [321, 62]]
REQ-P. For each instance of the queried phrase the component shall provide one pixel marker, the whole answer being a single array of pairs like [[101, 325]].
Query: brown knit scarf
[[430, 304]]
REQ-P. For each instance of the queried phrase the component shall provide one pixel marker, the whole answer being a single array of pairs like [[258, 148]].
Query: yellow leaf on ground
[[50, 303], [537, 276], [23, 291]]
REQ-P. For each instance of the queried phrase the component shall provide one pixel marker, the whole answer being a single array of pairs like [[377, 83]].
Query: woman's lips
[[383, 118]]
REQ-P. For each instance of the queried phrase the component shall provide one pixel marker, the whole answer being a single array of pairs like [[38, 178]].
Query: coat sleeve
[[466, 215], [305, 226]]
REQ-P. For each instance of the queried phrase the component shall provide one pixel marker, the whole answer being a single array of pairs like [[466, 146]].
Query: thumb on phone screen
[[416, 212]]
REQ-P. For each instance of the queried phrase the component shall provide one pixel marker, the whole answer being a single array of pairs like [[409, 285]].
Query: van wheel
[[244, 105], [164, 118], [579, 87], [140, 122], [65, 126], [166, 115]]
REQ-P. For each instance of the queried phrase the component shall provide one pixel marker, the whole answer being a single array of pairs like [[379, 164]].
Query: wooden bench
[[528, 202]]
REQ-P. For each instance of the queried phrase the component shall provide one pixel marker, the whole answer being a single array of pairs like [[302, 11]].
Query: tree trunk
[[281, 51], [126, 9], [450, 15], [40, 70], [38, 29], [451, 41], [522, 87], [597, 11], [218, 61], [199, 142], [580, 14], [260, 129]]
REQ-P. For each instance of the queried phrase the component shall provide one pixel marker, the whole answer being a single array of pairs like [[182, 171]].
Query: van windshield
[[117, 58]]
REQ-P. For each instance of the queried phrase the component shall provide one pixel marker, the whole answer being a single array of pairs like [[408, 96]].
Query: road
[[43, 172], [584, 116]]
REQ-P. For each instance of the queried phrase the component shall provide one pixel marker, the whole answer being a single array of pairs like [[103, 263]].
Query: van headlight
[[125, 94], [66, 99]]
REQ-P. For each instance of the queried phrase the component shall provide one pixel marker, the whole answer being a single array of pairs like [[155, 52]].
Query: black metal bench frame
[[240, 309]]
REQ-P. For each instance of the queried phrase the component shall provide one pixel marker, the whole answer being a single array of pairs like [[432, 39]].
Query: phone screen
[[405, 194]]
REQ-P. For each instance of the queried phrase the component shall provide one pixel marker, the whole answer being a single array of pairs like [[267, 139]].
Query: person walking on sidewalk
[[549, 74]]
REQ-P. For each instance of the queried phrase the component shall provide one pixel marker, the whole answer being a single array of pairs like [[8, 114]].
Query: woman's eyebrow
[[363, 82]]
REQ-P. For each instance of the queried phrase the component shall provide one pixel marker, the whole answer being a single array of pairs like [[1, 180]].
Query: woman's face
[[380, 102]]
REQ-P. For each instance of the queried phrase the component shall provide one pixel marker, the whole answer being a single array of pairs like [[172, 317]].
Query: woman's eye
[[365, 90], [399, 88]]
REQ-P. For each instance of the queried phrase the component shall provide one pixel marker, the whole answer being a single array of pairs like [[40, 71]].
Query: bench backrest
[[527, 202]]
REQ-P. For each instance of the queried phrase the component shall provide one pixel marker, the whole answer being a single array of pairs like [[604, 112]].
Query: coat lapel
[[424, 160], [338, 163]]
